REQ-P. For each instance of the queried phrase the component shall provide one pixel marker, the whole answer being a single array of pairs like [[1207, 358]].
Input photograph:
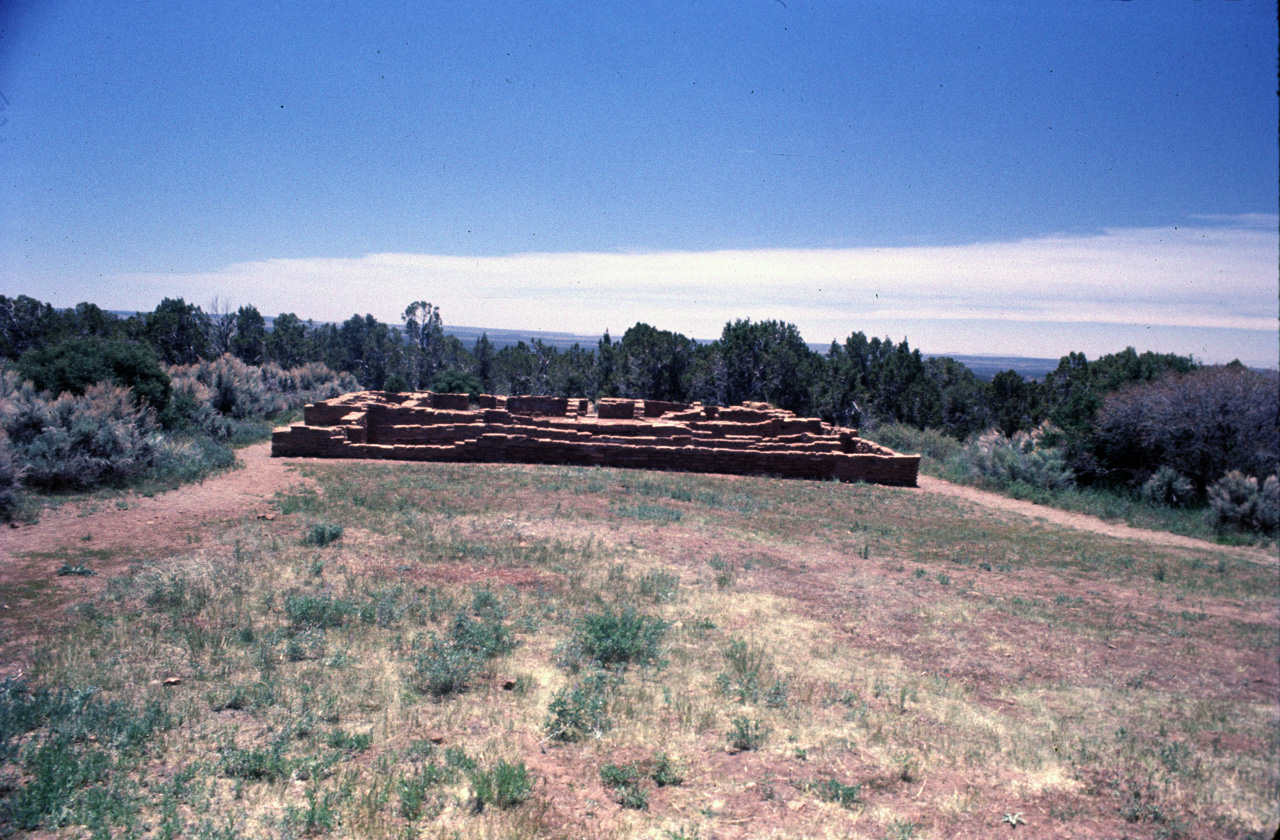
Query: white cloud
[[1220, 275]]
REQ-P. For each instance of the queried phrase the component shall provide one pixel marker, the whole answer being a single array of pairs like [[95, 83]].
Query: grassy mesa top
[[748, 439]]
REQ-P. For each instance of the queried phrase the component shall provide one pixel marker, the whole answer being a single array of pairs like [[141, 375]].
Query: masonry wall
[[753, 439]]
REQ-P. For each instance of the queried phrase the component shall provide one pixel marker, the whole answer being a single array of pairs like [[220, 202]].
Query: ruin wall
[[751, 439]]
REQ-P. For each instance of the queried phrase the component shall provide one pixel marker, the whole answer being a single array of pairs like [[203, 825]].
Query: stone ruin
[[747, 439]]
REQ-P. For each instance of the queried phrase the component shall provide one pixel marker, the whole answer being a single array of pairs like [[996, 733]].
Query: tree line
[[1116, 419]]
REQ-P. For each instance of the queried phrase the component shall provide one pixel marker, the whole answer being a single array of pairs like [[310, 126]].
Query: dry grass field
[[442, 650]]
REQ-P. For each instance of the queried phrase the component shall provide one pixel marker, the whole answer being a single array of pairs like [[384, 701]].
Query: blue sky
[[981, 177]]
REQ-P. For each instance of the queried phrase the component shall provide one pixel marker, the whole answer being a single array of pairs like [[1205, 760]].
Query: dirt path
[[106, 534], [1085, 522], [162, 520]]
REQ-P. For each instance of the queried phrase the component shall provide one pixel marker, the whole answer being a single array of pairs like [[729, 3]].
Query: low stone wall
[[616, 409], [752, 439], [542, 406]]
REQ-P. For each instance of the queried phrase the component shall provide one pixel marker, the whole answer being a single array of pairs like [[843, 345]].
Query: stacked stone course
[[749, 439]]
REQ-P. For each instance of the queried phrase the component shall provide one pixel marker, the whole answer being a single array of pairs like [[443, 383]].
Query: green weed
[[624, 781], [833, 790], [322, 534], [504, 785], [618, 639], [581, 709], [747, 734]]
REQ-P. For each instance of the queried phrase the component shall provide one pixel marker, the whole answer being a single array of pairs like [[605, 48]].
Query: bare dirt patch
[[106, 534]]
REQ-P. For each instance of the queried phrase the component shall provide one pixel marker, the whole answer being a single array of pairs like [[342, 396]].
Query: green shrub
[[504, 785], [581, 709], [443, 669], [666, 772], [457, 382], [901, 437], [482, 639], [396, 384], [71, 759], [1238, 501], [832, 790], [624, 781], [776, 695], [321, 534], [618, 775], [57, 770], [76, 570], [11, 472], [747, 734], [615, 640], [261, 764], [80, 442], [1169, 488], [485, 602], [71, 366], [21, 711], [996, 461], [447, 666]]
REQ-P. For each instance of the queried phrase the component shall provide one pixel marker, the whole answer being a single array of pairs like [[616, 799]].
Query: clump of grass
[[833, 790], [181, 460], [319, 816], [262, 764], [505, 785], [908, 439], [307, 610], [747, 670], [345, 741], [661, 514], [726, 572], [413, 789], [659, 586], [745, 667], [322, 534]]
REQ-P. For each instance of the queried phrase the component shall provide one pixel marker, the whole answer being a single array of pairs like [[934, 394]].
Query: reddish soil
[[877, 607], [108, 533], [105, 537]]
